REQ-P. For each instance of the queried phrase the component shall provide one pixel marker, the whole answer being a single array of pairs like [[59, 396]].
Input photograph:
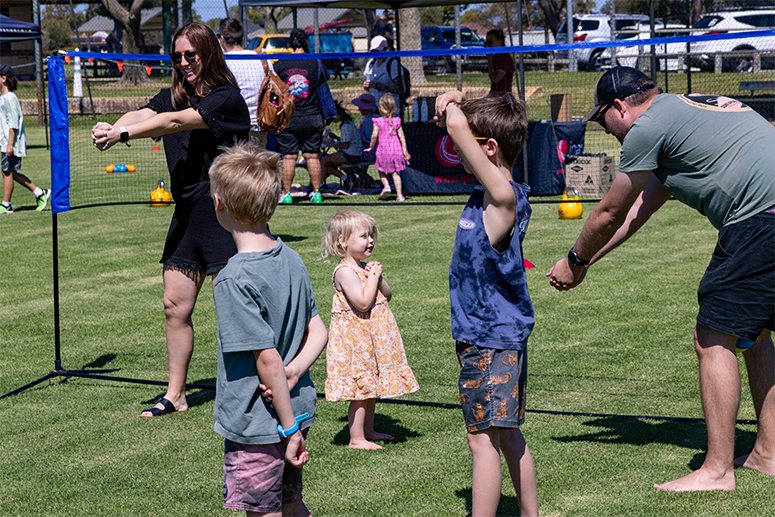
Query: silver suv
[[734, 21], [593, 27]]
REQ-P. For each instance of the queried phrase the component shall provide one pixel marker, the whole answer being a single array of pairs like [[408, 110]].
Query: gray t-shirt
[[712, 153], [263, 300]]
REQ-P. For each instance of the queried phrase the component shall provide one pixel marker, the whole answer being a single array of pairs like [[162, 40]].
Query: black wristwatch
[[575, 260], [124, 136]]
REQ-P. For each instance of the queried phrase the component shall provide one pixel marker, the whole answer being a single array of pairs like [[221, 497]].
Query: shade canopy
[[352, 4], [16, 30]]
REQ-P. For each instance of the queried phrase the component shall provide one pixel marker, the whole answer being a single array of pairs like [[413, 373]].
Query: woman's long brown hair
[[214, 71]]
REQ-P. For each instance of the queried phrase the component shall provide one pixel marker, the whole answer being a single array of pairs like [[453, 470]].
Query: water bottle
[[416, 111], [424, 111]]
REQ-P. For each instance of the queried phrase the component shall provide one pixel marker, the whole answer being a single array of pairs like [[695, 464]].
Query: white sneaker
[[385, 193]]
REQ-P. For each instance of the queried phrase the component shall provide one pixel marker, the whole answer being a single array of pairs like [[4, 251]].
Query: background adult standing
[[248, 73], [707, 152], [500, 67], [306, 79], [201, 111], [383, 27], [381, 73]]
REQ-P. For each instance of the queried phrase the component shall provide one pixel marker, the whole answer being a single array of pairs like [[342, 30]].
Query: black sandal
[[169, 407]]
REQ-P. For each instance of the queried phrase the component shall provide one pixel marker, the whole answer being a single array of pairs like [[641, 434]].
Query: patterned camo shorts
[[258, 479], [492, 386]]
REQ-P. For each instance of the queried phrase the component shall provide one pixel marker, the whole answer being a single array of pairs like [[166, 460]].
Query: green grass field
[[618, 344]]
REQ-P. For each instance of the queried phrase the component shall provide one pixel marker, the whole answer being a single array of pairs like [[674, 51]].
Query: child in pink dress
[[365, 358], [392, 156]]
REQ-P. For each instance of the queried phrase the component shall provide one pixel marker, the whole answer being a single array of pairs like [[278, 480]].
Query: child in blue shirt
[[492, 315], [269, 334]]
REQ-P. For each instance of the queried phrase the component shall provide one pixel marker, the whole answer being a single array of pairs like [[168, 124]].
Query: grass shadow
[[507, 507], [291, 238], [630, 431], [101, 361], [383, 424]]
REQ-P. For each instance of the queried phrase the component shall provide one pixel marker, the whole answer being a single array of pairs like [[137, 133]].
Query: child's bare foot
[[364, 444], [756, 462], [379, 436], [700, 481]]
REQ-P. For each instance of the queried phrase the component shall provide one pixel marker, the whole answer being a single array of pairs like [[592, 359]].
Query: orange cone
[[120, 66], [148, 69]]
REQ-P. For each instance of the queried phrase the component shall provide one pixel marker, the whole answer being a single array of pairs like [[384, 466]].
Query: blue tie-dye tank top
[[491, 307]]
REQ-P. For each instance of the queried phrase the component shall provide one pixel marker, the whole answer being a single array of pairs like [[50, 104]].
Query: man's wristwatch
[[575, 260], [124, 136]]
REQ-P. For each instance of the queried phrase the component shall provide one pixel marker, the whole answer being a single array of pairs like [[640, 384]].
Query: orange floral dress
[[365, 357]]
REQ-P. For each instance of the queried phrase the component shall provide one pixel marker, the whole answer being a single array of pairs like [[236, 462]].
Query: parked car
[[329, 42], [639, 56], [271, 44], [734, 21], [443, 38], [593, 27]]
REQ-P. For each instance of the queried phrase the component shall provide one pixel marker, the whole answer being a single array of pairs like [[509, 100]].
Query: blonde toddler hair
[[344, 223], [387, 107], [247, 181]]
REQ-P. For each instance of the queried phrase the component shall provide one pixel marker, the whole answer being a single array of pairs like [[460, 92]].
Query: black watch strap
[[575, 260]]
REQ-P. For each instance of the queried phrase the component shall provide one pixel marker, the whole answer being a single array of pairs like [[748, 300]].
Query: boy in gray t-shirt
[[269, 334]]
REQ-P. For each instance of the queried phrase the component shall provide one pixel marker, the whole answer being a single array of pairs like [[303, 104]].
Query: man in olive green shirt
[[716, 155]]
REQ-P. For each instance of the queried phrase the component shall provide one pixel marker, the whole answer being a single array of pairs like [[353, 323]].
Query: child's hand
[[293, 378], [444, 100], [368, 150], [407, 156], [295, 451], [375, 269]]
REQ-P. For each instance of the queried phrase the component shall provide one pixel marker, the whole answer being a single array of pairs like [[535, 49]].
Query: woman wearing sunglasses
[[202, 110]]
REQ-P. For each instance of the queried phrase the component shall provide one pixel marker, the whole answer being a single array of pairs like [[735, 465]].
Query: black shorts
[[351, 159], [196, 241], [737, 293], [307, 138]]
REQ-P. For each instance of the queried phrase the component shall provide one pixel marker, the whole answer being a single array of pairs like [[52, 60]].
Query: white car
[[640, 56], [590, 28], [735, 21]]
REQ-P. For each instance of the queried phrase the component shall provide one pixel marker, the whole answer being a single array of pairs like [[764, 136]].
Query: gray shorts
[[492, 385], [256, 478]]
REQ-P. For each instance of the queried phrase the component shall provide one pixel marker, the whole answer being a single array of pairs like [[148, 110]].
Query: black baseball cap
[[617, 83], [6, 70]]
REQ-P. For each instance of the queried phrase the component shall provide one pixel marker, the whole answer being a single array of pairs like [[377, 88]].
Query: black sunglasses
[[600, 117], [189, 55]]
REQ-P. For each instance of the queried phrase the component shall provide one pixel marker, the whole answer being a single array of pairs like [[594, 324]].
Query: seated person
[[349, 147]]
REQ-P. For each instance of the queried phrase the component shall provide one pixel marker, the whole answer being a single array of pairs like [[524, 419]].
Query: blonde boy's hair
[[502, 118], [344, 223], [247, 181]]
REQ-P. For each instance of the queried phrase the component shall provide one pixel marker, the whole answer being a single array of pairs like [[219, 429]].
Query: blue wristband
[[285, 433]]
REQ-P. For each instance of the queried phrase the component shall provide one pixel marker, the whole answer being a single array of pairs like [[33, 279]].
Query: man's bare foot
[[365, 444], [756, 462], [699, 481], [379, 436]]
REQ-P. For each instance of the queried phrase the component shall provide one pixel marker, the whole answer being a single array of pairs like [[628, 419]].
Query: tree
[[133, 38], [272, 15], [410, 39]]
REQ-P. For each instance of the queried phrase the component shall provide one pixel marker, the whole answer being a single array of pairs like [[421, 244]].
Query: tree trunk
[[133, 38], [553, 14], [697, 11], [409, 20], [270, 22]]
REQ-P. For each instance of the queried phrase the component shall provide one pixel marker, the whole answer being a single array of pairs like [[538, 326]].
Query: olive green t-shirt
[[712, 153], [263, 300]]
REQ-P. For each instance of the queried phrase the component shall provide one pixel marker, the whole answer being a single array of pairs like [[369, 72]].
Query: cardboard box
[[591, 175]]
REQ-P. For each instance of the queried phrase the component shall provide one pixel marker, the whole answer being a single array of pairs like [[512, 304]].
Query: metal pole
[[653, 47], [38, 63], [613, 32], [521, 56], [180, 14], [572, 65], [316, 44], [458, 44], [688, 59]]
